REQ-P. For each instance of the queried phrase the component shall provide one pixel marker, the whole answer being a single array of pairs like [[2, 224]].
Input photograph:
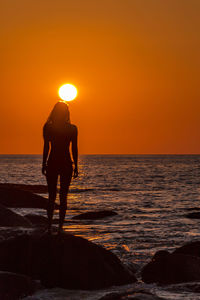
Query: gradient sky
[[136, 64]]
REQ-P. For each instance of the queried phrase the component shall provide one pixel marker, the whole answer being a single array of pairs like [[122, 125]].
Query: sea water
[[151, 195]]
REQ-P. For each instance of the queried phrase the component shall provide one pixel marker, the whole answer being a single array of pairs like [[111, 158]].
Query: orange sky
[[136, 64]]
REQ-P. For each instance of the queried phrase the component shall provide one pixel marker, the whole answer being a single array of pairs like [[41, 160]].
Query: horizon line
[[137, 154]]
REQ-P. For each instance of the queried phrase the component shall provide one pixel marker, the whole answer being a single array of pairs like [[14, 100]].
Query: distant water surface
[[151, 194]]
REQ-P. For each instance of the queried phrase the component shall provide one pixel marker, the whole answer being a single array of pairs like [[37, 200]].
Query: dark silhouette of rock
[[8, 218], [134, 268], [166, 268], [94, 215], [143, 296], [36, 188], [39, 220], [193, 215], [15, 286], [192, 248], [131, 295], [192, 208], [36, 219], [63, 260], [12, 197]]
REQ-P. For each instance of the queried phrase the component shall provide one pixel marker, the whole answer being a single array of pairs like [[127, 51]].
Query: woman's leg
[[52, 178], [65, 179]]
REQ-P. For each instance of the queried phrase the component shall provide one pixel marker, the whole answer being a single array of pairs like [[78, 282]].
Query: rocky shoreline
[[32, 259]]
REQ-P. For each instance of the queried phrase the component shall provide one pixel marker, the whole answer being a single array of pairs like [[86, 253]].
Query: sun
[[67, 92]]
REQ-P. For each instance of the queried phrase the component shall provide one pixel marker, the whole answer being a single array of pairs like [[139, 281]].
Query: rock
[[14, 253], [15, 286], [141, 296], [192, 248], [166, 268], [133, 267], [39, 220], [94, 215], [8, 218], [12, 197], [112, 296], [64, 261], [129, 295], [36, 219], [192, 208], [193, 215], [36, 188]]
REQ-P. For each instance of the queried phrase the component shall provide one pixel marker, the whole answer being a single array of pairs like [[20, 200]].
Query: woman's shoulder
[[46, 126], [46, 129], [73, 127]]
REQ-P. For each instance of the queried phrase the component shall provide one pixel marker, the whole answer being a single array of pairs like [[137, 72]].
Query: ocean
[[150, 193]]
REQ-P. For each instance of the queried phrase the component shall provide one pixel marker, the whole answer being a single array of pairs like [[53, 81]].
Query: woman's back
[[59, 138]]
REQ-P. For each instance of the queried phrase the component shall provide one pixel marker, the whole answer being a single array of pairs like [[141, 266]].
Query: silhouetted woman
[[58, 133]]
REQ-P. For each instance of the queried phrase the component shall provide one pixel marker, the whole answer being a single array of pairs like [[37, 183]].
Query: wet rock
[[36, 188], [14, 254], [192, 248], [39, 220], [36, 219], [63, 261], [12, 197], [94, 215], [166, 268], [141, 296], [193, 215], [192, 208], [8, 218], [131, 296], [15, 286]]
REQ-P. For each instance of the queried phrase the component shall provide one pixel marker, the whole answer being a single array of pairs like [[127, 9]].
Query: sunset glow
[[67, 92], [135, 65]]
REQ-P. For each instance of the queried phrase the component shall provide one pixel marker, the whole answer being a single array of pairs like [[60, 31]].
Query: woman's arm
[[45, 149], [45, 155], [75, 151]]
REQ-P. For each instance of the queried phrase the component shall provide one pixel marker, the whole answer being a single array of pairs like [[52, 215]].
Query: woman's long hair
[[59, 114]]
